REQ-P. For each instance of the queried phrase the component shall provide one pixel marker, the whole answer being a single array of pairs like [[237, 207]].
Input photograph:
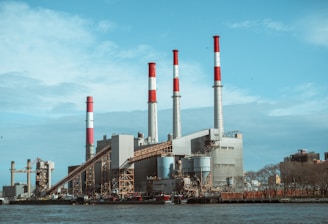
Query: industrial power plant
[[200, 164]]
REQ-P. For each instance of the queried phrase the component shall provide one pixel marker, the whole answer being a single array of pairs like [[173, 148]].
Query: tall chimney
[[152, 104], [89, 129], [28, 172], [12, 171], [176, 97], [218, 114]]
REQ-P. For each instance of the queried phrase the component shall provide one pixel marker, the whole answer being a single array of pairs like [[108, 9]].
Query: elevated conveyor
[[160, 149], [80, 169]]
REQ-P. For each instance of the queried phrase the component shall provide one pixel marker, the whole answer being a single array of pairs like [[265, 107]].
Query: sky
[[53, 54]]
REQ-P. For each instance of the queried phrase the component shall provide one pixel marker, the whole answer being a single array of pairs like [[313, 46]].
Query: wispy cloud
[[305, 99], [106, 26], [264, 24], [314, 28], [62, 54], [233, 95]]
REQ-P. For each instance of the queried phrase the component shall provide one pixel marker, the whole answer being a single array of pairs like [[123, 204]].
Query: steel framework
[[121, 179], [105, 186]]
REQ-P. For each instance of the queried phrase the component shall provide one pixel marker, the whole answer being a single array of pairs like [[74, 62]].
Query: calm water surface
[[212, 213]]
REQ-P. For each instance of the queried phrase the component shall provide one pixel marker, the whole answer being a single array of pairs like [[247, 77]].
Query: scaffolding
[[123, 181], [105, 186]]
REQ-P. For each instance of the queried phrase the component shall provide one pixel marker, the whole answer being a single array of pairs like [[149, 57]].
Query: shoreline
[[201, 200]]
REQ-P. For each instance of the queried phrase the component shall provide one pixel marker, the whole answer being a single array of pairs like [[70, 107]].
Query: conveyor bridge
[[155, 150]]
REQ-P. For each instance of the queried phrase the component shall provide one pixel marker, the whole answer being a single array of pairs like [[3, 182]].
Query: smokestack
[[152, 104], [89, 129], [28, 171], [218, 114], [176, 97], [12, 171]]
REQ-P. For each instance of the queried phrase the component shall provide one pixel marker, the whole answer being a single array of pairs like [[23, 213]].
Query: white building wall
[[183, 145], [227, 160], [122, 149]]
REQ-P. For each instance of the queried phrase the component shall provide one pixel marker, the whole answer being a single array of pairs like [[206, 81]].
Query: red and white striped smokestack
[[176, 97], [218, 113], [152, 104], [89, 130]]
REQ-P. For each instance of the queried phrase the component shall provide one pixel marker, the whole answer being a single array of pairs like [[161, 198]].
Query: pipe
[[176, 97], [218, 113], [89, 129], [152, 104]]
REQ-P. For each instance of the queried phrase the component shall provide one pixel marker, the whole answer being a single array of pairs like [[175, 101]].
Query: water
[[196, 213]]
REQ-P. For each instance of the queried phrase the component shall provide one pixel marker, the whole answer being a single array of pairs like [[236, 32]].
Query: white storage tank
[[165, 167], [202, 166]]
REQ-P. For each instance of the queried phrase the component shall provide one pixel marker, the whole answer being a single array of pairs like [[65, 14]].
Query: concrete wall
[[227, 160], [226, 156], [122, 149], [186, 144]]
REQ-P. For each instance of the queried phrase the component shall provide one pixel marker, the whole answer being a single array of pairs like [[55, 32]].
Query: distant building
[[303, 156], [305, 171], [17, 190], [274, 180]]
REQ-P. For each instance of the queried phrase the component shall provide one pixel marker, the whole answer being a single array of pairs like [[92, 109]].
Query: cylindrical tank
[[202, 166], [165, 167], [187, 165], [140, 135]]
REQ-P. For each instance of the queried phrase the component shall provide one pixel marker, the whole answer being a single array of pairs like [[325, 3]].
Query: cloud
[[65, 58], [304, 99], [314, 28], [264, 24], [233, 95], [31, 95], [58, 58], [105, 26]]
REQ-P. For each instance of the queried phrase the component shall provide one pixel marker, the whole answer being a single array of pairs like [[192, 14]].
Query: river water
[[195, 213]]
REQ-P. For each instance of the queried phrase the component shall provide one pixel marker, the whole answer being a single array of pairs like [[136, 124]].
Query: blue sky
[[55, 53]]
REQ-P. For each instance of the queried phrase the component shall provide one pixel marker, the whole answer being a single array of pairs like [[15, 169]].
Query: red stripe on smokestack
[[216, 44], [90, 139], [217, 73], [176, 85], [152, 69], [152, 96], [89, 104], [175, 57]]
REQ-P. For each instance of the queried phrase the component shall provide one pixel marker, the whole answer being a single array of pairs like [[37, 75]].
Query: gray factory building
[[226, 159]]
